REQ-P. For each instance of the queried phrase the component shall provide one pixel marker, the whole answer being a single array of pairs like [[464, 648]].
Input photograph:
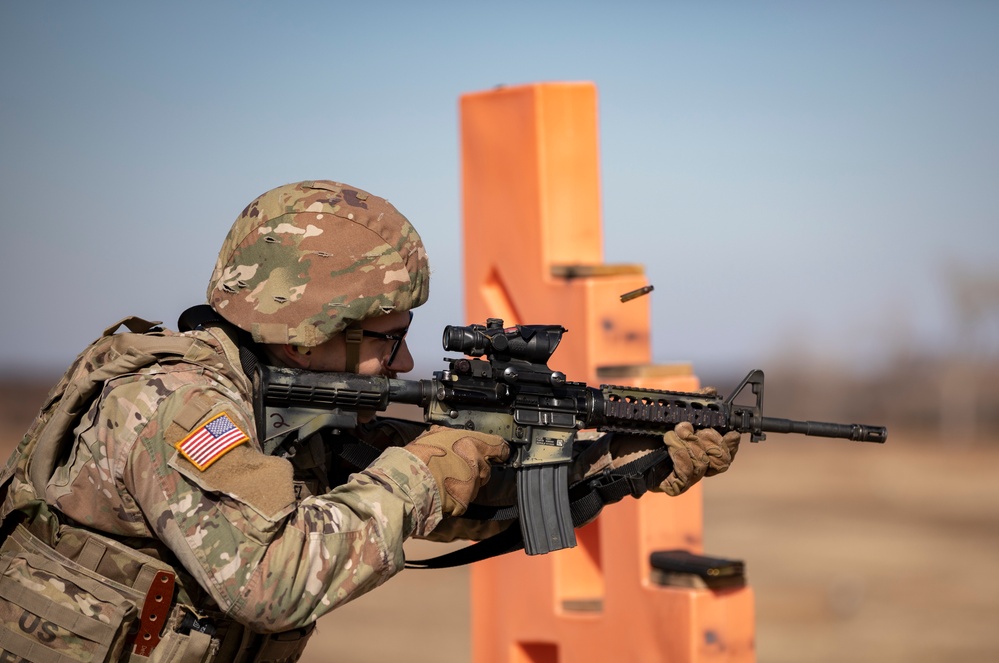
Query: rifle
[[512, 392]]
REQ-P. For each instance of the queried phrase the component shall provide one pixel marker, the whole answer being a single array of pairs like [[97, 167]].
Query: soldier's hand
[[695, 455], [459, 462]]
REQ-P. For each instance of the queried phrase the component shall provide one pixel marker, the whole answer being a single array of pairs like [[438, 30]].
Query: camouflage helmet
[[306, 260]]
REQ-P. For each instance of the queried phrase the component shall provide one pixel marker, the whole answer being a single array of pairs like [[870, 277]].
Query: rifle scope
[[532, 343]]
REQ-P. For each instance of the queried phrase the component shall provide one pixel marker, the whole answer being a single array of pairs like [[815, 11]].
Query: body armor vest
[[69, 594]]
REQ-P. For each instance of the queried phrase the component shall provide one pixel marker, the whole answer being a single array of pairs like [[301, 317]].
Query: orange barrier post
[[533, 250]]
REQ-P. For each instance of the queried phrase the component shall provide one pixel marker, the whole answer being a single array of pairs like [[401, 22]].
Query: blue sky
[[810, 171]]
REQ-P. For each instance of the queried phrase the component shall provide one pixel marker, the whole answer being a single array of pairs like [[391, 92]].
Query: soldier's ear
[[294, 356]]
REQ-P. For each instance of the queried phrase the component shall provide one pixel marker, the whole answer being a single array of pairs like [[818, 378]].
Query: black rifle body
[[513, 394]]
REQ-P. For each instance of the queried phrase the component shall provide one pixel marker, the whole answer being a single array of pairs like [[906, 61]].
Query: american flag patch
[[211, 440]]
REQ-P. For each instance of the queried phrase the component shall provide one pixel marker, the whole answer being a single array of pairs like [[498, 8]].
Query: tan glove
[[696, 455], [459, 462]]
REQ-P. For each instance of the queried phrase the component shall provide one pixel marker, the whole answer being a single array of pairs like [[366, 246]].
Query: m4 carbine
[[504, 386]]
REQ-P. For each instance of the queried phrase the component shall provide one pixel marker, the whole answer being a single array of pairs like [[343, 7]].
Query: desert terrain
[[855, 552]]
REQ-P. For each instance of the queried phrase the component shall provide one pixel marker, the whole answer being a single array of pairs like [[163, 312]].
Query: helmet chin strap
[[354, 338]]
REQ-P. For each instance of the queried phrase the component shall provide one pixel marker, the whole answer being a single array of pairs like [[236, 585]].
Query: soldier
[[143, 516]]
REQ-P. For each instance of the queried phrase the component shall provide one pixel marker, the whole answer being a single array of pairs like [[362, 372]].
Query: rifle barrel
[[855, 432]]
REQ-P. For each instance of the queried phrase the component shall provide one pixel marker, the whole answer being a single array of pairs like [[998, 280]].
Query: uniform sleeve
[[500, 490], [269, 561]]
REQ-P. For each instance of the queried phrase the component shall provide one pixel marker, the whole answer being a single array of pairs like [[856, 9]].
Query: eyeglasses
[[397, 338]]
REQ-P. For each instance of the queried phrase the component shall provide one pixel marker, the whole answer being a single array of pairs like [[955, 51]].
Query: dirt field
[[855, 553]]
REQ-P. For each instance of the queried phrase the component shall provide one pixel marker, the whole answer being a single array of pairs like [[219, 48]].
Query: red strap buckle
[[154, 612]]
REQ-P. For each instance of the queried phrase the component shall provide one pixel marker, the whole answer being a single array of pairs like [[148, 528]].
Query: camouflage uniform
[[249, 543], [245, 545]]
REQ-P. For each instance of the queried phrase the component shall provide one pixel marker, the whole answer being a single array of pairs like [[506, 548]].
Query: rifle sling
[[507, 541]]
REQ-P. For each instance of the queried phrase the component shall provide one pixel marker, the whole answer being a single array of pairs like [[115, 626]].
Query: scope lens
[[465, 340]]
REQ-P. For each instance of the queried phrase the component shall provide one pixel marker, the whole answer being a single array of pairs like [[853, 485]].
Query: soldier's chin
[[364, 416]]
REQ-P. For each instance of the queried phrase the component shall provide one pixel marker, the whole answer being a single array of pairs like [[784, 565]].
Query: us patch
[[211, 440]]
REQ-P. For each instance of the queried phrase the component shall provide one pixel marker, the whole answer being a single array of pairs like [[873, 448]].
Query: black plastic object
[[685, 569]]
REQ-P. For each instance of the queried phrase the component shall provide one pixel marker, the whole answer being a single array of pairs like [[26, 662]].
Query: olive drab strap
[[353, 338]]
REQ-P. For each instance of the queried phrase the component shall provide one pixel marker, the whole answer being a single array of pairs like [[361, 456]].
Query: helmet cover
[[306, 260]]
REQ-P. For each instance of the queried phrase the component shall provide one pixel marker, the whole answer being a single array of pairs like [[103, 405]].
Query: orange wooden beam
[[533, 251]]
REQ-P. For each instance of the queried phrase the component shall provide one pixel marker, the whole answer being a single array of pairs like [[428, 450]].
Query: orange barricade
[[533, 251]]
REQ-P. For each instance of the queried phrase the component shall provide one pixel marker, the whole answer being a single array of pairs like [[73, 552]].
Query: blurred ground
[[855, 553]]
